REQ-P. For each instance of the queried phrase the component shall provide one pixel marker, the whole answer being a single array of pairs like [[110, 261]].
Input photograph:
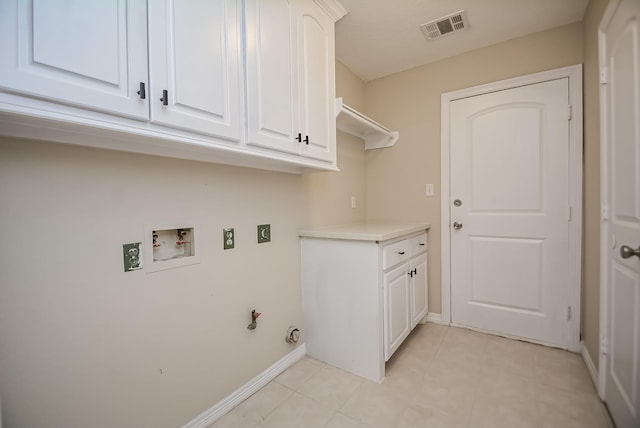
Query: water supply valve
[[254, 319]]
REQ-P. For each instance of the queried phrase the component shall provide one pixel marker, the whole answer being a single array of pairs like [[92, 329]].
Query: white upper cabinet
[[241, 82], [291, 77], [195, 66], [87, 54], [316, 80], [272, 94]]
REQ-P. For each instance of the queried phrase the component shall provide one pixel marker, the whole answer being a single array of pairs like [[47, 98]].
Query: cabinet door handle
[[401, 253], [421, 244], [299, 138], [165, 97], [415, 271], [142, 92], [306, 139]]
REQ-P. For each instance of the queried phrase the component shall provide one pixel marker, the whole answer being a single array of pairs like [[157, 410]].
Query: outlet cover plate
[[132, 254], [229, 238], [264, 233]]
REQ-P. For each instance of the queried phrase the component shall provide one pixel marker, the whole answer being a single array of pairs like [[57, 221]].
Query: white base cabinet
[[362, 296]]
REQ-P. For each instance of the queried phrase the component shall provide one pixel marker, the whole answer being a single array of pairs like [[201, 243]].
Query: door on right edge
[[620, 112], [510, 213]]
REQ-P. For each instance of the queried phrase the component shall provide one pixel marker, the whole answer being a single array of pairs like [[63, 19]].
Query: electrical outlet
[[229, 238], [132, 254], [264, 233]]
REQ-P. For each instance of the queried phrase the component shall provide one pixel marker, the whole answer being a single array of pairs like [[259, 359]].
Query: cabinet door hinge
[[603, 345], [568, 313], [569, 112]]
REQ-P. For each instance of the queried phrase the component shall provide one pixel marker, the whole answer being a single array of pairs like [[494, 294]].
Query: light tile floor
[[441, 377]]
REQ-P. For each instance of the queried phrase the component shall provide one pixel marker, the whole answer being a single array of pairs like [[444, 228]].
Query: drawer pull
[[401, 253], [422, 244]]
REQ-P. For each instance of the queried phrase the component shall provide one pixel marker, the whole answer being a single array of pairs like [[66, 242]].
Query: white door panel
[[194, 51], [316, 84], [272, 92], [397, 323], [85, 54], [509, 169], [620, 39], [418, 268]]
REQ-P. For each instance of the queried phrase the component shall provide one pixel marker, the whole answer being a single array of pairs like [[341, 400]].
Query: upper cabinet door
[[195, 63], [272, 95], [88, 54], [316, 80]]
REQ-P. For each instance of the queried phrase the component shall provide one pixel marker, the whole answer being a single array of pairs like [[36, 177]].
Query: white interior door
[[509, 178], [620, 56]]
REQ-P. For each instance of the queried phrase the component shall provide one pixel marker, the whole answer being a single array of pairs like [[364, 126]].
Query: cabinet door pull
[[299, 138], [306, 139], [414, 271], [421, 244], [165, 97], [142, 92], [401, 253]]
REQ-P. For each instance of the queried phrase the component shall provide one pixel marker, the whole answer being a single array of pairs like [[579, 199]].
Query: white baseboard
[[589, 363], [434, 318], [221, 408]]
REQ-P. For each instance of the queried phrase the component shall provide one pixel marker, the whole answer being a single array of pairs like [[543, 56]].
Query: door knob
[[457, 225], [626, 252]]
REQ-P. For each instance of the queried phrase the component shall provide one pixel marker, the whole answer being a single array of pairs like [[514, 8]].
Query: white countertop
[[363, 231]]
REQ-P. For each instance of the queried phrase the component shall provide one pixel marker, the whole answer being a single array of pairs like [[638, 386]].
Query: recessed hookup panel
[[171, 246]]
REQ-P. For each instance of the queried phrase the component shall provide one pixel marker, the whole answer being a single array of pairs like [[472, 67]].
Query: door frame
[[574, 74]]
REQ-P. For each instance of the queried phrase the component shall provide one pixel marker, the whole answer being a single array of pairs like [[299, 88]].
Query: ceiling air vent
[[446, 25]]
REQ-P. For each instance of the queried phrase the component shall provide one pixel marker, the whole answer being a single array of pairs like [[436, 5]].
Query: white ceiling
[[381, 37]]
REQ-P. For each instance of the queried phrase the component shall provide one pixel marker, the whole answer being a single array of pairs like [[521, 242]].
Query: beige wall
[[591, 236], [410, 103], [83, 344], [329, 193]]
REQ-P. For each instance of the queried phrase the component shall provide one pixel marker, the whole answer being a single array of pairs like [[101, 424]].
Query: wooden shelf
[[353, 122]]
